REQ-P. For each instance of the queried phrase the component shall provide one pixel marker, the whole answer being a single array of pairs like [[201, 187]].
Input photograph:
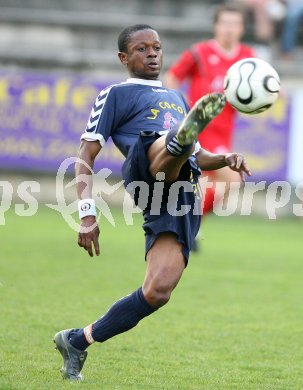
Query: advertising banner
[[264, 141], [42, 116]]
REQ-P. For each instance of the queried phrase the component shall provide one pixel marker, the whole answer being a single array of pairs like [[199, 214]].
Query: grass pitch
[[234, 322]]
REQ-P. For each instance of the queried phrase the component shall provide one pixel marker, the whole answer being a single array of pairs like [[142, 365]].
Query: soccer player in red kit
[[204, 66]]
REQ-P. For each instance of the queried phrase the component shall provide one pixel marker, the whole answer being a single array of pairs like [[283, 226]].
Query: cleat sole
[[206, 109]]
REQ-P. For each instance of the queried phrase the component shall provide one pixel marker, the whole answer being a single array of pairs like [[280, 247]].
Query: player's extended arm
[[208, 161], [89, 230]]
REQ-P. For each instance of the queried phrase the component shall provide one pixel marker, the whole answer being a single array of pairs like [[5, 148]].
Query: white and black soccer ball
[[251, 85]]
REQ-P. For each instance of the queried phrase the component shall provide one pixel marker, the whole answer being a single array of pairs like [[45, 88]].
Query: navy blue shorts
[[178, 211]]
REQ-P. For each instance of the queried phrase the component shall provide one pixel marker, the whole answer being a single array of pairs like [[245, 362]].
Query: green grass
[[235, 320]]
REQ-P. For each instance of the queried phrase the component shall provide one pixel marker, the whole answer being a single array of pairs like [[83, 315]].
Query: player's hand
[[88, 237], [237, 163]]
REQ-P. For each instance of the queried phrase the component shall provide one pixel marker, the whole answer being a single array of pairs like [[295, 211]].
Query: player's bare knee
[[157, 295], [157, 298]]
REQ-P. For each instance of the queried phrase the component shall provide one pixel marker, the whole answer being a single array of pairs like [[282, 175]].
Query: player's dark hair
[[229, 7], [126, 34]]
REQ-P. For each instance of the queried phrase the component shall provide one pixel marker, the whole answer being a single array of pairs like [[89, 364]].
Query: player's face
[[229, 27], [144, 56]]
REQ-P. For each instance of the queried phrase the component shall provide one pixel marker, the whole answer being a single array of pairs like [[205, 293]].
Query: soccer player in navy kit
[[152, 127]]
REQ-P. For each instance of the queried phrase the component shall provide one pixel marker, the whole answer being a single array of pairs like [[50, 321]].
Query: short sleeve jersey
[[205, 65], [123, 110]]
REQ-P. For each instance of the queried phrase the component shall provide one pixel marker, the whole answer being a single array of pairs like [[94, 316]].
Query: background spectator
[[294, 13]]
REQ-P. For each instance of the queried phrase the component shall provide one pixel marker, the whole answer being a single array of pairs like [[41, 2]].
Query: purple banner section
[[264, 139], [42, 117]]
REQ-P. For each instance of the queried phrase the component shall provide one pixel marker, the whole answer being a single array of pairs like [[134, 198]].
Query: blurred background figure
[[290, 32], [263, 24], [265, 14], [204, 66]]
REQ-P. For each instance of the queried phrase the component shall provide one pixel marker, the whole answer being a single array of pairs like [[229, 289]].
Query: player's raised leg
[[180, 141], [204, 110]]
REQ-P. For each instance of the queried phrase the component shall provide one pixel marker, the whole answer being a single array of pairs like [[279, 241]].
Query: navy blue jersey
[[122, 111], [135, 114]]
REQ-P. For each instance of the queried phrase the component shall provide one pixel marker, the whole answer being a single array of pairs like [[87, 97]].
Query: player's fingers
[[239, 161], [80, 240], [246, 168], [232, 162], [88, 246], [96, 245]]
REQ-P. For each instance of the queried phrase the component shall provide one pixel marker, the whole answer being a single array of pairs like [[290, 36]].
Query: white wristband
[[86, 207]]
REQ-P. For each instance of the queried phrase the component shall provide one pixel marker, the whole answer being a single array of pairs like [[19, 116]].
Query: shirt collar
[[228, 54], [151, 83]]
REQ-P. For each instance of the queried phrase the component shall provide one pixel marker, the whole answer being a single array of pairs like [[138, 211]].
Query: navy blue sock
[[173, 146], [122, 316]]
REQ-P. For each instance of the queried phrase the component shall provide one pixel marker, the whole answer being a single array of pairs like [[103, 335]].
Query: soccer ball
[[251, 85]]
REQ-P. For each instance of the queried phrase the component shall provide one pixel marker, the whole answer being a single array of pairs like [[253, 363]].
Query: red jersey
[[205, 65]]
